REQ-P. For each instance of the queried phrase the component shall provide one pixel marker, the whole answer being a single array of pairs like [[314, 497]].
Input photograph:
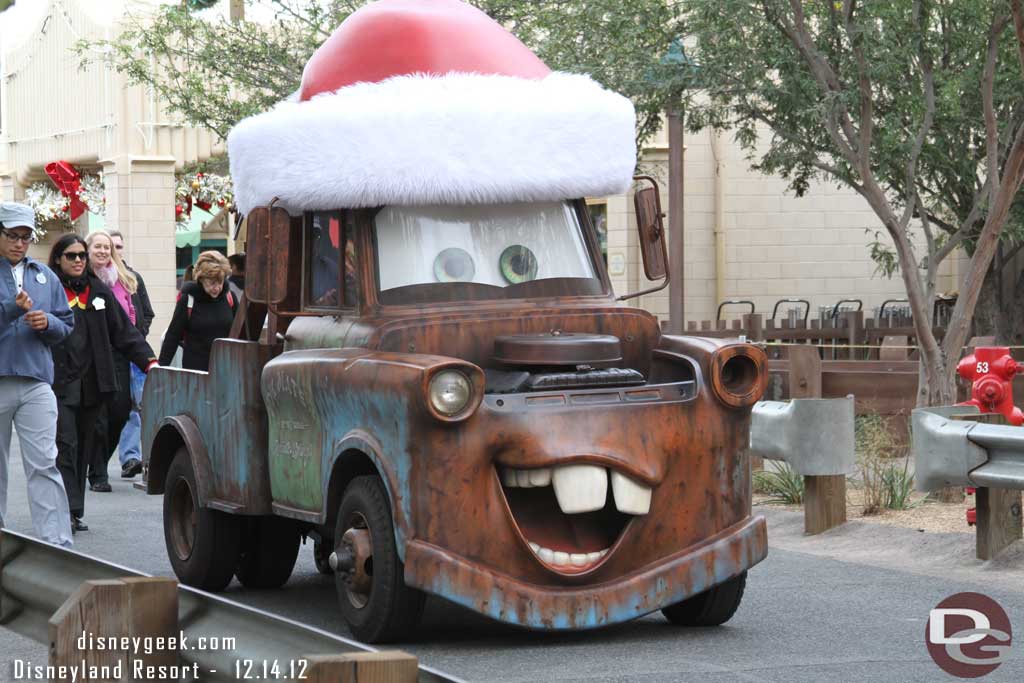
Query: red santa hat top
[[432, 102]]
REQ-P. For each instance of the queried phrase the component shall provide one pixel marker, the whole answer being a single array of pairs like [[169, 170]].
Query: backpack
[[231, 300]]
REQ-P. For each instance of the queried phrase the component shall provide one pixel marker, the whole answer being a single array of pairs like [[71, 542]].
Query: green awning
[[192, 236], [96, 221]]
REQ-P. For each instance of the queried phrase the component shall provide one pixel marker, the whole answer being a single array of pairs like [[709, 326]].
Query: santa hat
[[432, 102]]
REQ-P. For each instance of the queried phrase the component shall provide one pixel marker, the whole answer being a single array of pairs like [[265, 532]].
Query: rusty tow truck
[[449, 399]]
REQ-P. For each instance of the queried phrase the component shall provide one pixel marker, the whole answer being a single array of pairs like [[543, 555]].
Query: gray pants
[[31, 407]]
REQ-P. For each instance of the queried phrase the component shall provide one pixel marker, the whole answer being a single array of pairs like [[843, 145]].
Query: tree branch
[[1018, 28], [863, 87], [999, 23], [967, 226], [988, 240], [836, 116], [926, 124]]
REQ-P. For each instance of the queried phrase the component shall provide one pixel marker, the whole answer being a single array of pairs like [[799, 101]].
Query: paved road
[[806, 617]]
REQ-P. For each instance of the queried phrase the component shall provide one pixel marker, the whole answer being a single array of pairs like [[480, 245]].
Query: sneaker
[[102, 487], [131, 468]]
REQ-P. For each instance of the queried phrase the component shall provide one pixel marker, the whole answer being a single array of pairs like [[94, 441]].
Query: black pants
[[119, 407], [81, 437]]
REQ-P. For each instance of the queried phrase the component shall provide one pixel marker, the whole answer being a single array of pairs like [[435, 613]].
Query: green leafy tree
[[214, 72], [915, 104]]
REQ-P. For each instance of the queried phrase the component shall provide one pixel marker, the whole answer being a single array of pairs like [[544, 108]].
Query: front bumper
[[502, 597]]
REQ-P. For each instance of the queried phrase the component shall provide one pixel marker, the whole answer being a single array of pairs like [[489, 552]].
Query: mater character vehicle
[[430, 375]]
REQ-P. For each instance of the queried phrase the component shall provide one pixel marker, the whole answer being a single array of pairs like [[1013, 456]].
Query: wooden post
[[999, 520], [99, 608], [855, 333], [153, 612], [824, 495], [753, 326], [133, 607], [392, 666], [998, 510]]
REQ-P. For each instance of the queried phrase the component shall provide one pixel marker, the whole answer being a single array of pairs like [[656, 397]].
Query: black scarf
[[75, 284]]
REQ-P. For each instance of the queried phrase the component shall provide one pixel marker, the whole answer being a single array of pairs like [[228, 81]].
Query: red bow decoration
[[69, 182], [334, 232]]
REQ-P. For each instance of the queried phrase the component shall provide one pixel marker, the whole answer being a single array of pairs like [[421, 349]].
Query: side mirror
[[649, 218], [650, 222], [273, 248]]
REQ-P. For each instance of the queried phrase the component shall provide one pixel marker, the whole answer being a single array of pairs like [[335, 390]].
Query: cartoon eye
[[454, 265], [518, 264]]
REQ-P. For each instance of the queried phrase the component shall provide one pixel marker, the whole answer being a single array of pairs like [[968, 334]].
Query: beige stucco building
[[51, 109], [746, 237]]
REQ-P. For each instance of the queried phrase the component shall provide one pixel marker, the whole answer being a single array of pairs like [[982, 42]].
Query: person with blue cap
[[34, 315]]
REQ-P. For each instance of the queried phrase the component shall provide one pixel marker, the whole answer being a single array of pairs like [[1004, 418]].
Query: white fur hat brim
[[452, 139]]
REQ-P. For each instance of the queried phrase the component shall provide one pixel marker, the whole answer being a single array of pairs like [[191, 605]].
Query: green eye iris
[[454, 265], [518, 264]]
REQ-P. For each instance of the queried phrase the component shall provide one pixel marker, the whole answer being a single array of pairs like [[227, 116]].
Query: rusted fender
[[322, 402], [171, 433]]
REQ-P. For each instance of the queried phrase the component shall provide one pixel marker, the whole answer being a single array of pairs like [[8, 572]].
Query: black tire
[[713, 607], [269, 551], [391, 610], [202, 544]]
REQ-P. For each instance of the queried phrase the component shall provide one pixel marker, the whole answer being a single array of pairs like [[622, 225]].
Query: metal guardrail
[[813, 435], [37, 578], [950, 452]]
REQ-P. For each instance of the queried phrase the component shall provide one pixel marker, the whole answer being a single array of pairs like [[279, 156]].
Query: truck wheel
[[374, 599], [713, 607], [322, 556], [202, 544], [269, 551]]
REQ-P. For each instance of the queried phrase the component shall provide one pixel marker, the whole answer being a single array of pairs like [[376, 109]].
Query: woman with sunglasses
[[106, 264], [84, 376]]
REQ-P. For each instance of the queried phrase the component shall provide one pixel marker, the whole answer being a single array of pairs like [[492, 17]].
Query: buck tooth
[[561, 558], [547, 555], [594, 557], [630, 497], [540, 476], [580, 488], [508, 477], [534, 547], [523, 477], [579, 559]]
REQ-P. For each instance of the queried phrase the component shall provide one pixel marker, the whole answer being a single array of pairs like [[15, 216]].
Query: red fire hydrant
[[991, 370]]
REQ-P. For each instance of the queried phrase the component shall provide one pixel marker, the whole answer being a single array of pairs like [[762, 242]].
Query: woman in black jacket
[[84, 377], [204, 312]]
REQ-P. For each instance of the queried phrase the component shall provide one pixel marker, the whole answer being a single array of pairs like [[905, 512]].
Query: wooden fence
[[848, 336]]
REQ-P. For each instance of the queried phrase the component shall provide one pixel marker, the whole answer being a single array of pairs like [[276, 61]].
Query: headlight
[[739, 374], [450, 392]]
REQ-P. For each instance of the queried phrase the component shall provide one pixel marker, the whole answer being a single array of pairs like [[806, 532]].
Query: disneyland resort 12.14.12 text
[[137, 663]]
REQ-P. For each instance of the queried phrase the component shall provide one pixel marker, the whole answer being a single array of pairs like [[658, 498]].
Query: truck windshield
[[502, 251]]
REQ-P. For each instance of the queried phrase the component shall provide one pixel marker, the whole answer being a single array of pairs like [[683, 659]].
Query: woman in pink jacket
[[106, 264]]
